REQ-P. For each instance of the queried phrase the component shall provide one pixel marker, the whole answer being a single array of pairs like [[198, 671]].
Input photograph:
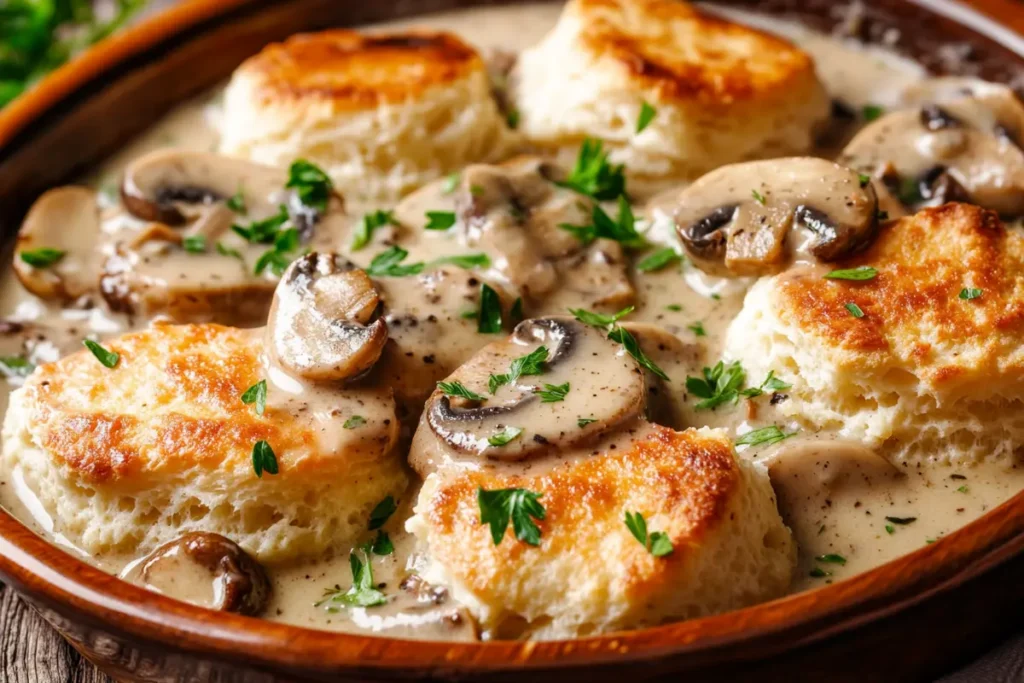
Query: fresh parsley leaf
[[459, 389], [854, 310], [870, 112], [621, 230], [354, 422], [770, 383], [658, 260], [530, 364], [584, 421], [15, 366], [382, 544], [758, 197], [629, 342], [720, 384], [819, 573], [466, 261], [225, 250], [106, 358], [890, 529], [593, 176], [488, 320], [363, 592], [264, 231], [440, 220], [969, 293], [44, 257], [450, 182], [647, 114], [389, 263], [698, 329], [656, 543], [901, 520], [310, 183], [859, 273], [279, 257], [381, 512], [831, 558], [369, 224], [552, 393], [257, 394], [764, 436], [512, 118], [236, 202], [518, 505], [675, 308], [600, 319], [864, 179], [505, 436], [263, 459], [516, 313], [195, 244], [962, 489]]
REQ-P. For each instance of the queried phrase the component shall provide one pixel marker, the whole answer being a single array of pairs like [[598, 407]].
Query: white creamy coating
[[844, 513]]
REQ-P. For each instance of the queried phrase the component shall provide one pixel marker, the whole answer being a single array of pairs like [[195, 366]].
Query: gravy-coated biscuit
[[381, 114], [721, 92], [934, 368], [129, 457]]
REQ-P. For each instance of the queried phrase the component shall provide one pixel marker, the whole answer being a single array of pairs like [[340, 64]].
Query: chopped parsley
[[584, 421], [368, 225], [440, 220], [901, 520], [15, 366], [553, 393], [969, 293], [256, 394], [831, 558], [488, 320], [763, 437], [854, 310], [770, 383], [450, 182], [505, 436], [516, 314], [354, 422], [512, 118], [466, 261], [698, 329], [363, 592], [106, 358], [819, 573], [657, 543], [658, 260], [530, 364], [720, 384], [44, 257], [629, 342], [621, 230], [459, 390], [890, 529], [310, 183], [600, 319], [675, 308], [864, 179], [909, 192], [389, 263], [870, 112], [236, 202], [264, 231], [859, 273], [520, 506], [225, 250], [194, 244], [263, 459], [382, 544], [381, 512], [593, 176], [647, 114], [962, 489], [280, 256], [758, 197]]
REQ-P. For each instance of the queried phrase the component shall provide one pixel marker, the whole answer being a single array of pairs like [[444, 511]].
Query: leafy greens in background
[[37, 36]]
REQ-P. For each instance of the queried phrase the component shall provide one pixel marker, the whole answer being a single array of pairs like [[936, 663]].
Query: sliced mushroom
[[675, 357], [737, 219], [966, 148], [596, 275], [66, 219], [319, 326], [513, 211], [606, 390], [205, 569]]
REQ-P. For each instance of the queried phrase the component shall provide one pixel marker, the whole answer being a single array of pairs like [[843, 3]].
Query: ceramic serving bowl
[[910, 619]]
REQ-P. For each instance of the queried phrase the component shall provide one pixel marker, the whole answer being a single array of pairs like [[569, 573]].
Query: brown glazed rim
[[53, 578]]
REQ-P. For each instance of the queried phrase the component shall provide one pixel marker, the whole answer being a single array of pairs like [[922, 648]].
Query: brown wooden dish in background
[[910, 619]]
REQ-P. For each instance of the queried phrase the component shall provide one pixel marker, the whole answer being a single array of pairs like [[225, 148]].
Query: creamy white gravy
[[855, 508]]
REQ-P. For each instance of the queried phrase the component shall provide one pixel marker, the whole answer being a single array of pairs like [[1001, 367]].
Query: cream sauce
[[836, 506]]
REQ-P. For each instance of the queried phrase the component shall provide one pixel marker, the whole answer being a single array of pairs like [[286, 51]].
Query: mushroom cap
[[737, 219], [606, 390], [969, 148], [67, 219], [208, 569], [318, 326]]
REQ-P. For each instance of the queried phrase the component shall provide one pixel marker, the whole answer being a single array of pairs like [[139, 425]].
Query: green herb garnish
[[369, 224], [854, 310], [859, 273], [459, 389], [870, 112], [381, 512], [764, 436], [264, 231], [363, 592], [512, 118], [698, 329], [758, 197], [530, 364], [518, 505], [505, 436], [552, 393], [831, 558], [263, 459], [658, 260], [969, 293], [657, 543], [236, 202], [440, 220], [389, 263], [466, 261], [584, 421], [44, 257], [16, 366], [106, 358], [382, 544], [354, 422], [195, 244], [310, 183], [629, 342], [257, 394], [621, 230], [593, 176], [647, 114], [600, 319], [280, 256], [450, 182], [720, 384], [225, 250], [770, 383]]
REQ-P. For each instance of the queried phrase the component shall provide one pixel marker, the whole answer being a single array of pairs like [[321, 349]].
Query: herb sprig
[[520, 506]]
